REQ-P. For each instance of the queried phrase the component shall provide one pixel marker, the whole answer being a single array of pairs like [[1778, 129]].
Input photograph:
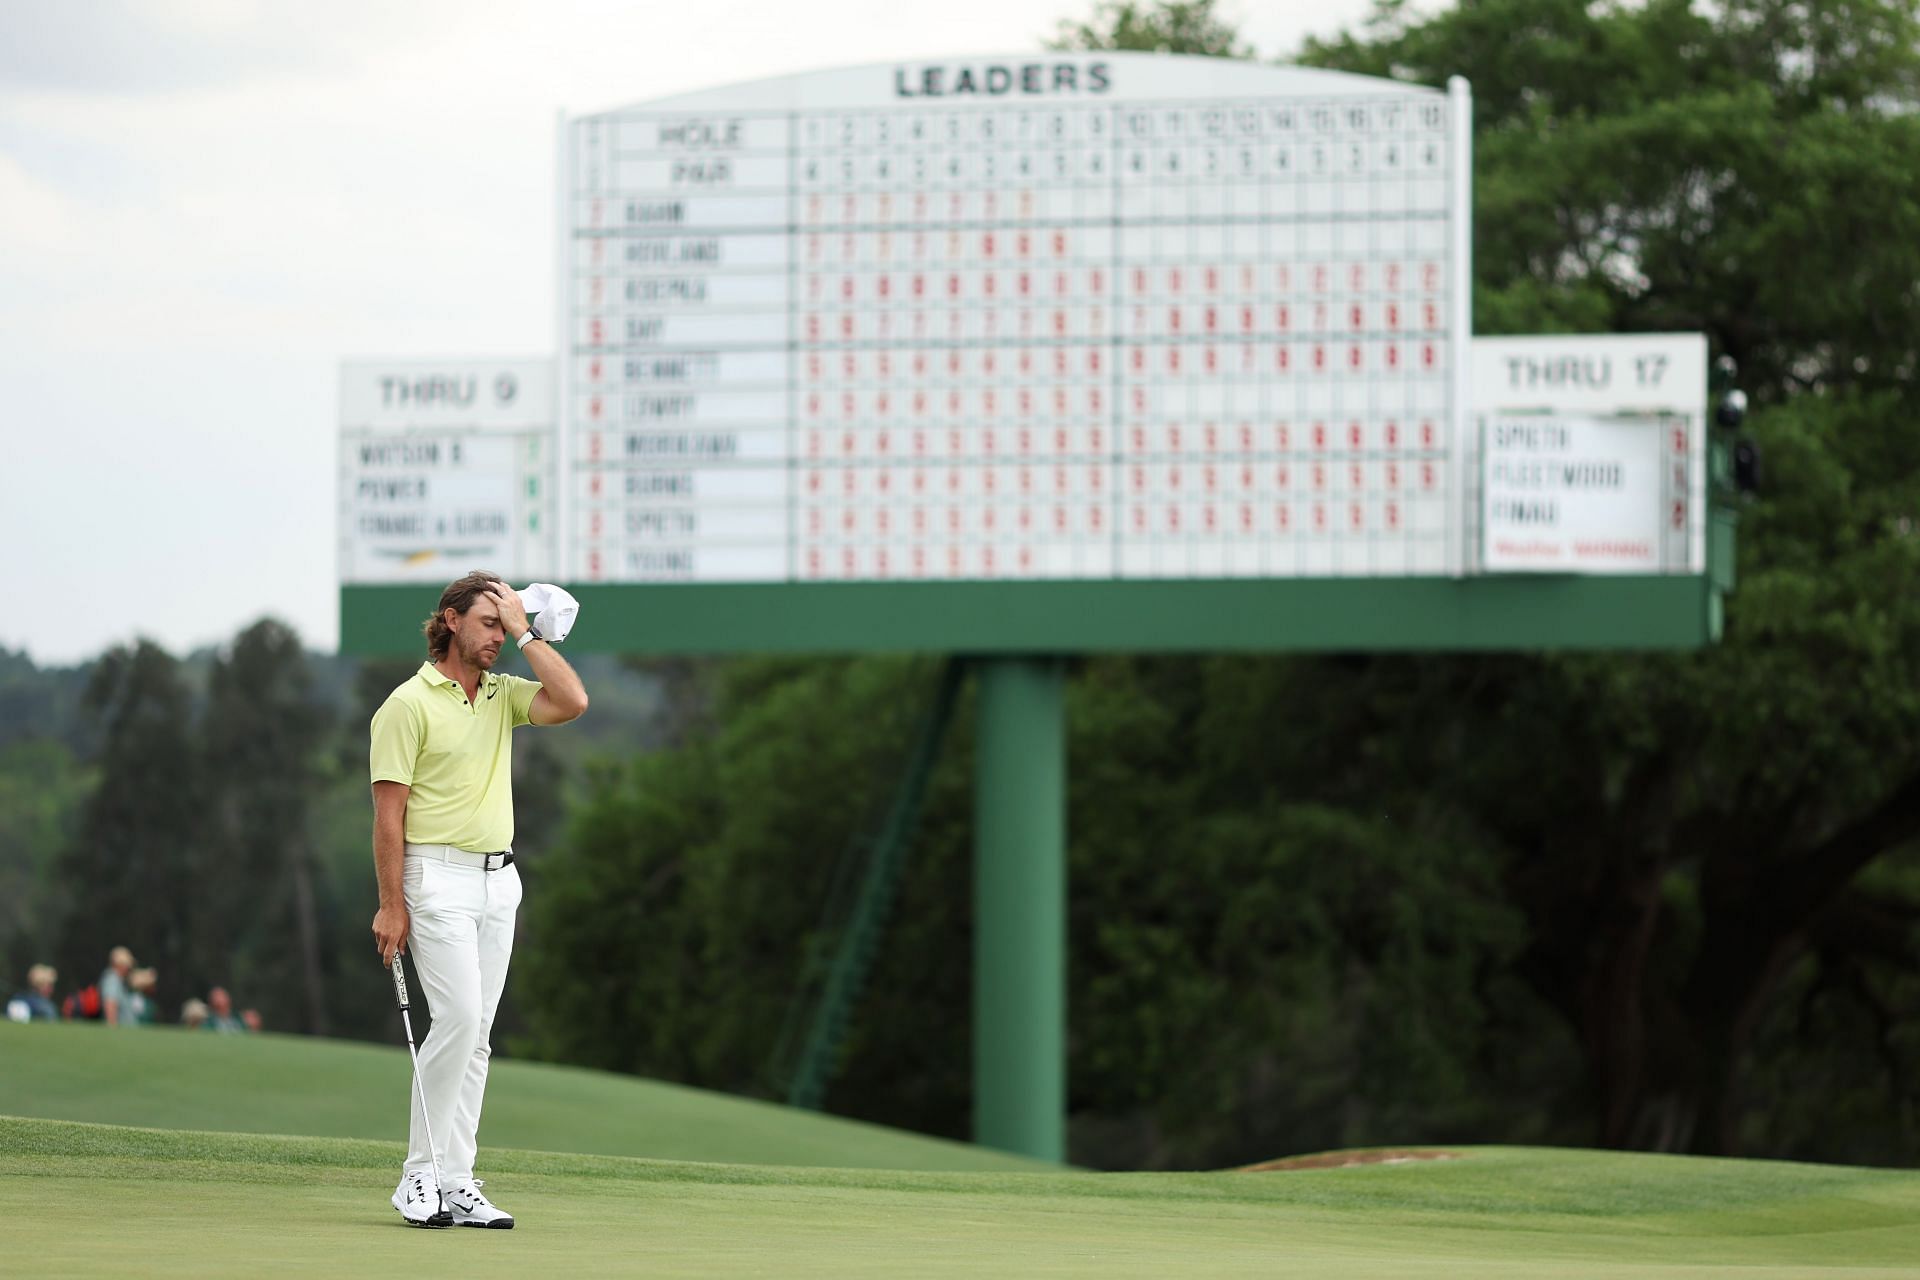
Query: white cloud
[[128, 49], [36, 218]]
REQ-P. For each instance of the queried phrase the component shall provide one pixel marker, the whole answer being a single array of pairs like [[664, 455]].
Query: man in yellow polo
[[442, 766]]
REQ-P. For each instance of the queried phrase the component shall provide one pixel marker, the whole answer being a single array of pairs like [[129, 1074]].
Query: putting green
[[88, 1200], [167, 1078]]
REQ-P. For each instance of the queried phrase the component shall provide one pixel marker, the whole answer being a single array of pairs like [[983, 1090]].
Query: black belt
[[462, 857]]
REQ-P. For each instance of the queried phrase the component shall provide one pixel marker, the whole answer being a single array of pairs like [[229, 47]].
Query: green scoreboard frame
[[1517, 612]]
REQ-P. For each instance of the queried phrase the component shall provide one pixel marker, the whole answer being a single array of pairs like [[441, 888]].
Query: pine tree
[[131, 875], [264, 744]]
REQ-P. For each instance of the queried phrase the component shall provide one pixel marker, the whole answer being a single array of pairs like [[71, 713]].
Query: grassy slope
[[168, 1078], [198, 1204]]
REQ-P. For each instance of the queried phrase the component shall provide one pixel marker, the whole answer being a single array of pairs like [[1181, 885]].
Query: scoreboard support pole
[[1020, 908]]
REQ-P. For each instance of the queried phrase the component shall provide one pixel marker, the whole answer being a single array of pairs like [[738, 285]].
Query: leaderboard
[[1079, 317]]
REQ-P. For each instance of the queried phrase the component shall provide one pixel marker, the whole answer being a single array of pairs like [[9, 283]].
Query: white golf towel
[[551, 609]]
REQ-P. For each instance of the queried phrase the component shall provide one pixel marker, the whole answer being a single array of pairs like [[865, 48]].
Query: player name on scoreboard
[[445, 466], [1084, 317]]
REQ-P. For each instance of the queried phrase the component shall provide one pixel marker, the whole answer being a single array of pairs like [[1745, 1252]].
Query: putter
[[400, 997]]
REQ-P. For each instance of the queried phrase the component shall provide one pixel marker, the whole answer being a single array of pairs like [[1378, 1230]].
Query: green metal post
[[1020, 909]]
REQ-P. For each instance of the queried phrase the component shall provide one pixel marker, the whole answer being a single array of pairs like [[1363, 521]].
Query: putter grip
[[399, 982]]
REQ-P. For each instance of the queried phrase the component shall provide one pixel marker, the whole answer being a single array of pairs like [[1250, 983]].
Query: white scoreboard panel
[[1070, 317], [1593, 453], [446, 466]]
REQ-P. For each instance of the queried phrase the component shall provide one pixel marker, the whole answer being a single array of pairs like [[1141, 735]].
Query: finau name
[[997, 80]]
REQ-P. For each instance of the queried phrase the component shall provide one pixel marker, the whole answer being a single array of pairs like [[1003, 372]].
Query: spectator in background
[[251, 1017], [220, 1012], [35, 1004], [115, 995], [141, 1010], [193, 1014]]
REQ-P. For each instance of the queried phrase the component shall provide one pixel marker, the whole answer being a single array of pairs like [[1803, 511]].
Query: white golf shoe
[[418, 1200], [471, 1209]]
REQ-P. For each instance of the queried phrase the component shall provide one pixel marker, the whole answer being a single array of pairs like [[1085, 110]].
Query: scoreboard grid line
[[992, 224], [1116, 528], [793, 355], [1173, 181]]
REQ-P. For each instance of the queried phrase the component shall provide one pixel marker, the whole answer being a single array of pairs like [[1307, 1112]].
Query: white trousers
[[461, 938]]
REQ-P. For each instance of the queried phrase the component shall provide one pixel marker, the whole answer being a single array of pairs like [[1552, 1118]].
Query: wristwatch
[[528, 636]]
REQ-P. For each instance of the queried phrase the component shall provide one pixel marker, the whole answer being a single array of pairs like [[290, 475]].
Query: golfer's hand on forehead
[[513, 614]]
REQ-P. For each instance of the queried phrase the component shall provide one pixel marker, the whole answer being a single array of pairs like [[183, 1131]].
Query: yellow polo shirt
[[457, 756]]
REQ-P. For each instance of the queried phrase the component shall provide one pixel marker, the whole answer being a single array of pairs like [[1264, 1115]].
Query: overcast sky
[[205, 205]]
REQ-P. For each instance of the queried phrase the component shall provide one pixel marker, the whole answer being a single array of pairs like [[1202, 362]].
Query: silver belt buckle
[[487, 861]]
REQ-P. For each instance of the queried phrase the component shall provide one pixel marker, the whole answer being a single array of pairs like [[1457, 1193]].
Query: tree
[[1256, 970], [41, 787], [1236, 991], [1703, 836], [1180, 26], [43, 703], [263, 742], [671, 924], [130, 874]]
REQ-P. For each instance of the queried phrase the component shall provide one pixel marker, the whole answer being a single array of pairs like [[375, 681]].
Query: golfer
[[442, 766]]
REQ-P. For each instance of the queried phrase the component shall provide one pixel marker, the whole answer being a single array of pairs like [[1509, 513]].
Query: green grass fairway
[[86, 1200], [167, 1078]]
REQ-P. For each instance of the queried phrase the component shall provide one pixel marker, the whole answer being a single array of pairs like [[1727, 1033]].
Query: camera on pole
[[1742, 469]]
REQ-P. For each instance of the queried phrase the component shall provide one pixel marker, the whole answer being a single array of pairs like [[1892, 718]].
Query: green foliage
[[41, 788], [38, 702], [1286, 978], [1168, 26], [266, 881], [1744, 170], [1235, 968], [264, 738], [675, 897], [190, 836], [141, 826], [1256, 970]]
